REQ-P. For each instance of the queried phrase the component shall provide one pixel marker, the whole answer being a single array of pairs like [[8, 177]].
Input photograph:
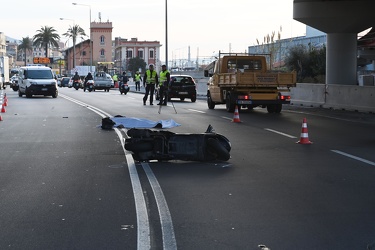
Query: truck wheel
[[270, 108], [229, 103], [193, 99], [210, 103], [278, 108], [218, 149]]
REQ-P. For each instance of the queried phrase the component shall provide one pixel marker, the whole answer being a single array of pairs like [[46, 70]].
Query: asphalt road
[[67, 184]]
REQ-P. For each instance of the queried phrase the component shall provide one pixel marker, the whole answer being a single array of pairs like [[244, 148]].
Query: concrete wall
[[348, 97]]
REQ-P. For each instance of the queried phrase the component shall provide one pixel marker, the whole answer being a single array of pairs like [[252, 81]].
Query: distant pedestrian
[[137, 78], [150, 79], [115, 80]]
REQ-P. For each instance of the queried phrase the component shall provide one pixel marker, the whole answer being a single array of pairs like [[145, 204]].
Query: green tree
[[26, 45], [135, 64], [318, 61], [74, 32], [309, 62], [46, 37]]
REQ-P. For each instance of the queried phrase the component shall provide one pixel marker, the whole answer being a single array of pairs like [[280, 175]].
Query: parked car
[[180, 86], [64, 81]]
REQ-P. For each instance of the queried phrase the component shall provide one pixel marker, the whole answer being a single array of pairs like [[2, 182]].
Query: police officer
[[138, 79], [115, 79], [165, 77], [150, 79]]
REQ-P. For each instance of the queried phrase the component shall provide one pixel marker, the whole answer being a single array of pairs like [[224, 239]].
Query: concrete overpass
[[342, 20]]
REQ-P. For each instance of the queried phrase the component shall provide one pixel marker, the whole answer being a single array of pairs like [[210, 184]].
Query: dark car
[[64, 82], [181, 86]]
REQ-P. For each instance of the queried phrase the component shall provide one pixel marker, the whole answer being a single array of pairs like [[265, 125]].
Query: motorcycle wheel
[[139, 147], [90, 90], [218, 149]]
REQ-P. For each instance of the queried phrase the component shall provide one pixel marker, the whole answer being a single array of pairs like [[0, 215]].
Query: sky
[[206, 27]]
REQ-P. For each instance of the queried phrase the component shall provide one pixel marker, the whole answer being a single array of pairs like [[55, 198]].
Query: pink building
[[101, 36], [124, 50], [116, 53]]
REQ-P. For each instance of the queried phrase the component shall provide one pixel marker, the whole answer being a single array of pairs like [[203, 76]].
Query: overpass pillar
[[341, 58]]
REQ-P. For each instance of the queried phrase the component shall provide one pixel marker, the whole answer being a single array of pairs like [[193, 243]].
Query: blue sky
[[204, 26]]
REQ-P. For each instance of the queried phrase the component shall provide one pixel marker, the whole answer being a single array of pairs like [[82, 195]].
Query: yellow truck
[[245, 81]]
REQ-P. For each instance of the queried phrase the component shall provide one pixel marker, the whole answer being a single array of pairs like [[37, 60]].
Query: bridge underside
[[342, 20]]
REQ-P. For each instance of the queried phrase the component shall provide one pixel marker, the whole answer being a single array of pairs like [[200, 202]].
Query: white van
[[37, 80]]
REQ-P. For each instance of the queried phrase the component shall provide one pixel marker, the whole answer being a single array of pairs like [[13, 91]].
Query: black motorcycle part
[[107, 123], [138, 133], [215, 147], [139, 146]]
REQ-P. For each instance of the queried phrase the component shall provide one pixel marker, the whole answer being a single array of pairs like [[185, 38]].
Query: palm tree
[[47, 36], [73, 32], [26, 45]]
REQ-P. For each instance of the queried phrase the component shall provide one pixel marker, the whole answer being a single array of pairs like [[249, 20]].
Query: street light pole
[[91, 43], [166, 33]]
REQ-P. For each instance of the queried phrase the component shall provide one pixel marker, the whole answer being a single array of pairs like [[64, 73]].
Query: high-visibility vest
[[151, 77], [138, 77], [115, 78], [163, 77]]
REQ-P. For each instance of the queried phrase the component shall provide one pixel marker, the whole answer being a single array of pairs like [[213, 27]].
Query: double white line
[[143, 224]]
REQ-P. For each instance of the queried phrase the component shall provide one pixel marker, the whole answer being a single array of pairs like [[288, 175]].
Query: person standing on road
[[115, 79], [150, 79], [165, 77], [138, 79]]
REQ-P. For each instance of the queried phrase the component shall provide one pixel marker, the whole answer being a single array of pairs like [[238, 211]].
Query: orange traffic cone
[[236, 116], [304, 134], [1, 118], [3, 108], [5, 102]]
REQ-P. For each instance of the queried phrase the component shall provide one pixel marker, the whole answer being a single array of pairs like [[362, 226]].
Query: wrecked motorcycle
[[147, 144]]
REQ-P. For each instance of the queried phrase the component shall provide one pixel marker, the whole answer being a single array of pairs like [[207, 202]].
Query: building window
[[129, 54], [102, 40], [102, 53], [140, 54], [151, 54], [83, 53]]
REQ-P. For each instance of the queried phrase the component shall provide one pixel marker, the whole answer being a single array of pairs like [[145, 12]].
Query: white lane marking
[[224, 117], [143, 225], [169, 239], [198, 111], [280, 133], [354, 157]]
